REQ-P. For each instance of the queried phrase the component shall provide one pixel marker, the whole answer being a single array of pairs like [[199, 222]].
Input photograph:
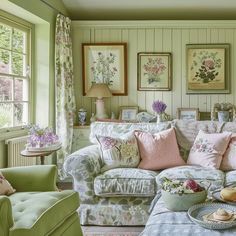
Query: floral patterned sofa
[[123, 196]]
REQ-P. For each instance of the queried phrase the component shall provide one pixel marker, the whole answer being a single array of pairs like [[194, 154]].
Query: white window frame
[[20, 24]]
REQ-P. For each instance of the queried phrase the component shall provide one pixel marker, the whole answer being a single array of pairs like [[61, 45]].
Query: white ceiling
[[151, 9]]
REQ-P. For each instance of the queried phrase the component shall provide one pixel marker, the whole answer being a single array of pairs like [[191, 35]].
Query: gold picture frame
[[154, 71], [105, 63], [128, 113], [207, 68], [188, 113]]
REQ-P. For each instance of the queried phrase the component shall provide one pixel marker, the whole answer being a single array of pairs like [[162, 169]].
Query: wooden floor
[[111, 231]]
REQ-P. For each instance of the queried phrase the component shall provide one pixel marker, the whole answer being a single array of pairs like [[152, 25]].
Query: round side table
[[42, 154]]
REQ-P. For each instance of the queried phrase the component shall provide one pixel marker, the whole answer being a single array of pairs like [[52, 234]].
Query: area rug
[[111, 231]]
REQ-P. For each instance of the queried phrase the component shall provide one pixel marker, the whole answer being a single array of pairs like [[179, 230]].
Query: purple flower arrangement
[[41, 137], [159, 107]]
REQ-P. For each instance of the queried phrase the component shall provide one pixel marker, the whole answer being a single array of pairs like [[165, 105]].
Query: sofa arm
[[6, 220], [84, 165], [32, 178]]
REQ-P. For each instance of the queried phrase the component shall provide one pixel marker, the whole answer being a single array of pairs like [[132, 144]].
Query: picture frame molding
[[139, 76], [226, 90], [124, 92]]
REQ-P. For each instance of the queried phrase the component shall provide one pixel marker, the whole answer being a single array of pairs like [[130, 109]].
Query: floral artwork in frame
[[154, 71], [208, 68], [105, 63]]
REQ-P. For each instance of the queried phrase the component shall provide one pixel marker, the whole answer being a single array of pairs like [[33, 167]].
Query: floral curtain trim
[[65, 99]]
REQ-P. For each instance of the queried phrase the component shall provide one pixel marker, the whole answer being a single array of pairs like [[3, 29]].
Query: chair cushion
[[215, 178], [230, 177], [39, 213], [126, 182]]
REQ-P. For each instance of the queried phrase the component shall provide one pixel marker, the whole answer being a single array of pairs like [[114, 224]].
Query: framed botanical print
[[105, 63], [154, 71], [208, 68]]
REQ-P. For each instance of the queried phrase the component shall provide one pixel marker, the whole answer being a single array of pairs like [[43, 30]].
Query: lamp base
[[100, 109]]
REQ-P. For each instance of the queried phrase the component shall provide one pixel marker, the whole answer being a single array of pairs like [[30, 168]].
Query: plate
[[144, 117], [53, 147], [197, 212], [216, 195]]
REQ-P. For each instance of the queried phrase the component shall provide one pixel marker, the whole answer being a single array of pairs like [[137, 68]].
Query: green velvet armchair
[[37, 208]]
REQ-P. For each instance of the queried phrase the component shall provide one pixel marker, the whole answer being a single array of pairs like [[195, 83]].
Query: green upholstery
[[38, 212], [32, 178]]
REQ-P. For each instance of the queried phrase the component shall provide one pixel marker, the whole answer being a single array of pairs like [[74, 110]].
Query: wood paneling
[[157, 36]]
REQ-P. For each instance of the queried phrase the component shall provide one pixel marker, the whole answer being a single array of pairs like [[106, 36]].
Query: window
[[14, 73]]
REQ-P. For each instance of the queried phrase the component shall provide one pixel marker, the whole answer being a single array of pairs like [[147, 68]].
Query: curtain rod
[[52, 7]]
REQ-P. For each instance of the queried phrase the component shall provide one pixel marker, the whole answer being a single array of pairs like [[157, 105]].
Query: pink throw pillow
[[229, 158], [208, 149], [5, 186], [158, 151]]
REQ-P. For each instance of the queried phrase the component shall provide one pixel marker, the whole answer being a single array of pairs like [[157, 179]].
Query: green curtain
[[65, 99]]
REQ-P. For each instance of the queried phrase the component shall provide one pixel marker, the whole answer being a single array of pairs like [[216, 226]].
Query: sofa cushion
[[126, 182], [230, 177], [215, 178], [116, 130], [117, 152], [39, 213], [208, 149], [154, 152], [229, 158]]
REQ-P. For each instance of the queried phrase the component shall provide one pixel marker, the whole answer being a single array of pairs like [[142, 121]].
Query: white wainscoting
[[155, 36]]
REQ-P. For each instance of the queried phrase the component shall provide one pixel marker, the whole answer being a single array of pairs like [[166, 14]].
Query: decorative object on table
[[154, 71], [223, 112], [128, 113], [180, 195], [93, 118], [159, 107], [113, 116], [225, 195], [208, 68], [144, 117], [188, 113], [82, 114], [100, 91], [208, 215], [105, 63], [42, 139]]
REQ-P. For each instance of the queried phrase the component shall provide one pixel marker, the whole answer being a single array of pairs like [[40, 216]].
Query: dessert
[[222, 214], [228, 194]]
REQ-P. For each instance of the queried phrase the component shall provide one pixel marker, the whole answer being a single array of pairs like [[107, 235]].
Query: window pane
[[4, 61], [6, 89], [5, 36], [6, 118], [17, 63], [20, 114], [18, 41], [21, 90]]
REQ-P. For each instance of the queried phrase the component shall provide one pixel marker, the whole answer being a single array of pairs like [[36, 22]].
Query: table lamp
[[99, 91]]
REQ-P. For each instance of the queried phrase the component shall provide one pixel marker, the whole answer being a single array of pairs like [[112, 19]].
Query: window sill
[[7, 133]]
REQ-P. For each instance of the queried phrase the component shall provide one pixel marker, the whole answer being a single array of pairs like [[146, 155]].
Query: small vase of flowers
[[42, 139], [181, 195], [159, 107]]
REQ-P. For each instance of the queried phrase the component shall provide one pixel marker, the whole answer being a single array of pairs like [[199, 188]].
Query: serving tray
[[197, 212]]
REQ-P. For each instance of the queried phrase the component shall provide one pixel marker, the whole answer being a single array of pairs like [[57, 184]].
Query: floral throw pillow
[[5, 186], [118, 152], [208, 149]]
